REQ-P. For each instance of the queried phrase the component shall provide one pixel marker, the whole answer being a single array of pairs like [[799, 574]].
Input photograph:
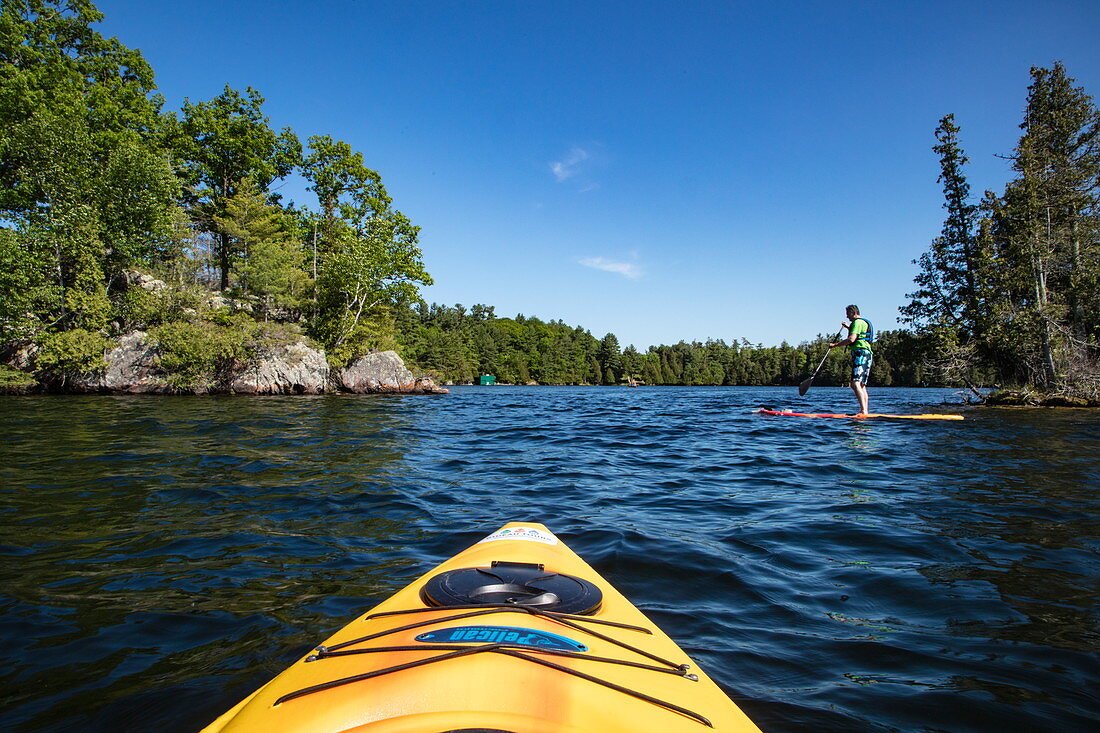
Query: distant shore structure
[[487, 380]]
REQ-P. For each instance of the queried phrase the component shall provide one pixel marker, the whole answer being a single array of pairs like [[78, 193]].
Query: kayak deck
[[410, 666], [930, 416]]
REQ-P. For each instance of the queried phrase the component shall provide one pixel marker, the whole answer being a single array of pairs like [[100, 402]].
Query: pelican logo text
[[530, 534], [502, 635]]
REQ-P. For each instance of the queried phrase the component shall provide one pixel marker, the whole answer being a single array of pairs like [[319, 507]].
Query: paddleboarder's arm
[[847, 341]]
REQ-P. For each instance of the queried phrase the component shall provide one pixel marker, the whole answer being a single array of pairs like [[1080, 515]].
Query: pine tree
[[1048, 232], [946, 308], [610, 359], [267, 255], [948, 294]]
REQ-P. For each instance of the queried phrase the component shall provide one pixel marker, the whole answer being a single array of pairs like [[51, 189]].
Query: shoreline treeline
[[458, 345], [118, 215]]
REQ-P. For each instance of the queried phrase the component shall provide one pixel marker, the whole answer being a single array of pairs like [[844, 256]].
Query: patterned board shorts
[[861, 365]]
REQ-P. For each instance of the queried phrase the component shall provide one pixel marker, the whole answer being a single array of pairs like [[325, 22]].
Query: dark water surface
[[162, 557]]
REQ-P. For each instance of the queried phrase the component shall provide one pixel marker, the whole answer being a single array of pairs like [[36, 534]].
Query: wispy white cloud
[[568, 166], [626, 269]]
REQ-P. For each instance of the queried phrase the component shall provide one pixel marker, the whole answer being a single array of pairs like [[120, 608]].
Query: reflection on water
[[1030, 532], [166, 556], [863, 438]]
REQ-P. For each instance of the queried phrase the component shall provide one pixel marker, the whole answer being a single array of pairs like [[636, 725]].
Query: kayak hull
[[613, 684], [870, 415]]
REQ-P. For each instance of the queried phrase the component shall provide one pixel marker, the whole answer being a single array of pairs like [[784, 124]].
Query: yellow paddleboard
[[788, 413]]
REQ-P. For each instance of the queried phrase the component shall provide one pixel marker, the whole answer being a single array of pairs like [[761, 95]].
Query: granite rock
[[132, 368], [383, 372], [292, 368]]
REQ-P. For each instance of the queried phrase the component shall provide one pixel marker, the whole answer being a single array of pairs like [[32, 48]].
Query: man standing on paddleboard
[[860, 335]]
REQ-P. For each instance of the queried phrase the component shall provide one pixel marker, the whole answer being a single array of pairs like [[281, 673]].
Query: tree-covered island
[[123, 220]]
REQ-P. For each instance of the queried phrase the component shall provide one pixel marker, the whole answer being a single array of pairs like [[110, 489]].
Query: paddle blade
[[805, 386]]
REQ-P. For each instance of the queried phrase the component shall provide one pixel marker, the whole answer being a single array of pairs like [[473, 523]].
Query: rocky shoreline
[[1028, 398], [290, 368]]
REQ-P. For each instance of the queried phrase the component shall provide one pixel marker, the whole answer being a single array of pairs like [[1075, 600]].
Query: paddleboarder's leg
[[861, 370], [861, 396]]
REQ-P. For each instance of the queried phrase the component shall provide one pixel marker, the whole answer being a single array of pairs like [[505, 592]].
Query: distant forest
[[118, 215], [459, 345]]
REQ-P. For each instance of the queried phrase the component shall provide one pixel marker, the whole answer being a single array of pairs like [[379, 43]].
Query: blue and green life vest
[[865, 339]]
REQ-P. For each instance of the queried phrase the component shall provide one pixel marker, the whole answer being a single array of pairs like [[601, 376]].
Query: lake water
[[163, 557]]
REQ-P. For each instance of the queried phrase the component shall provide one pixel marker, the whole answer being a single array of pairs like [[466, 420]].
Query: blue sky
[[662, 171]]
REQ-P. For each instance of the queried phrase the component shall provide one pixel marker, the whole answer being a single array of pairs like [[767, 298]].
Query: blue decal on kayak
[[502, 635]]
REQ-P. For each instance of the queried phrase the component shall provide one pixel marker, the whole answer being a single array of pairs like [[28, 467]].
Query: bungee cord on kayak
[[499, 608], [510, 650], [557, 615], [681, 671]]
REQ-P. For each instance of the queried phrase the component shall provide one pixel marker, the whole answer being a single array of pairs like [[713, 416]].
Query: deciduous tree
[[221, 143]]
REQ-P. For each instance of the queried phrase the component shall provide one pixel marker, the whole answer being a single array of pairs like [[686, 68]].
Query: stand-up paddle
[[805, 386]]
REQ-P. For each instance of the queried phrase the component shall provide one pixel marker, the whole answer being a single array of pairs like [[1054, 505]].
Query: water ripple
[[169, 555]]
